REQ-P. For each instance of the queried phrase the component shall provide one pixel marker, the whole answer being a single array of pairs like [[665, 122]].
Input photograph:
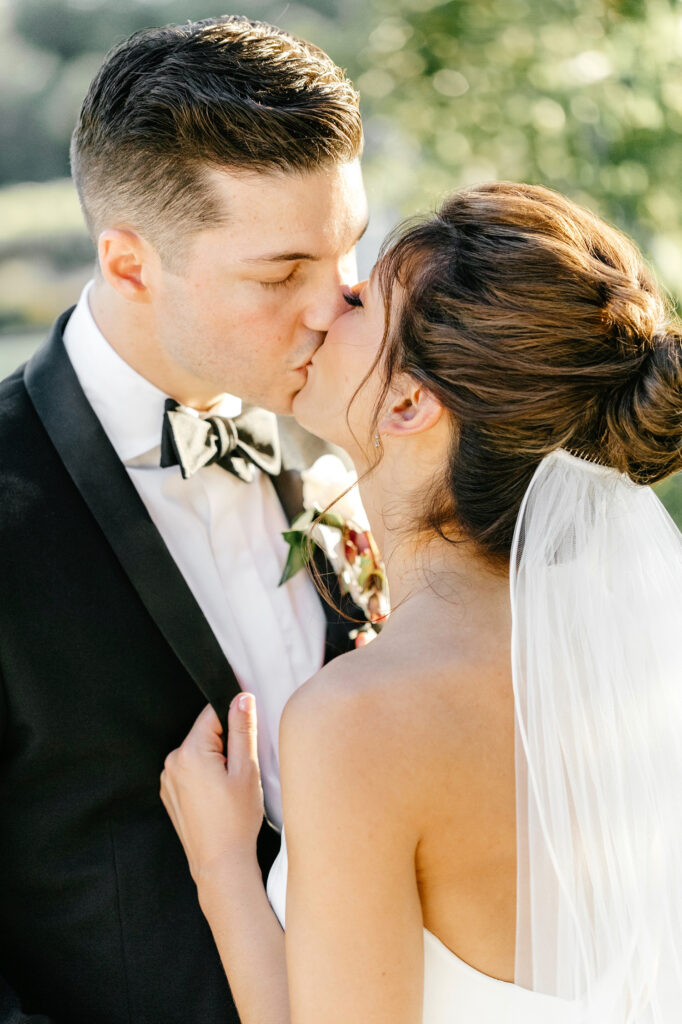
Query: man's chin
[[304, 416], [281, 405]]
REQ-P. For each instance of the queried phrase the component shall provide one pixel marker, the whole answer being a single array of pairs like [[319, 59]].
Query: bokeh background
[[582, 95]]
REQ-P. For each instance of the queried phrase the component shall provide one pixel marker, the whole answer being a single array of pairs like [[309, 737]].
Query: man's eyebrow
[[290, 257], [281, 257]]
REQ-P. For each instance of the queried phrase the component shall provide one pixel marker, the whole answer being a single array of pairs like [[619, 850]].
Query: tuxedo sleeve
[[11, 1012]]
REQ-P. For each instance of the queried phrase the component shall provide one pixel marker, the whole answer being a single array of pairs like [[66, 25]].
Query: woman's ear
[[412, 410], [124, 259]]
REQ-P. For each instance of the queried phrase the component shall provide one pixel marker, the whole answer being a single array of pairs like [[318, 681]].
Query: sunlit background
[[582, 95]]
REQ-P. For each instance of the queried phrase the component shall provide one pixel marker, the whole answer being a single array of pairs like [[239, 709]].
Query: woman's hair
[[537, 326]]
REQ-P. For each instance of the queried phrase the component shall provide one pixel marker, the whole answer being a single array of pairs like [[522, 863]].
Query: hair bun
[[644, 419]]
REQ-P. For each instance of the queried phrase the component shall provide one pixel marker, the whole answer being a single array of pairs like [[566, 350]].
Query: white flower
[[331, 542], [326, 481]]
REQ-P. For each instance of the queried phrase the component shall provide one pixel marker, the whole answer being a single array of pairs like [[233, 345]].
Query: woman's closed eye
[[353, 299]]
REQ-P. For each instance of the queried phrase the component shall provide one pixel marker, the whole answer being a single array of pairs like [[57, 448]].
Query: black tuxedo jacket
[[105, 661]]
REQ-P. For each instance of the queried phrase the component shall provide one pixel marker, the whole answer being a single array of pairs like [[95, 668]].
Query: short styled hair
[[225, 93]]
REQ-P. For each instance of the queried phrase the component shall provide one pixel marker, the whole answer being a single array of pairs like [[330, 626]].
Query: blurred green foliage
[[670, 493], [49, 51], [582, 95]]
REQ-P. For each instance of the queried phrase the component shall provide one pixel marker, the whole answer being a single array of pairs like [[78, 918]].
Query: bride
[[482, 807]]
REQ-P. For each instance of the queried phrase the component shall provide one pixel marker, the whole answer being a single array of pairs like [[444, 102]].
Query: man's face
[[255, 297]]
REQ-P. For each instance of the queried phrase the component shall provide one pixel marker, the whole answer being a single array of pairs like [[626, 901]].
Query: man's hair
[[225, 93]]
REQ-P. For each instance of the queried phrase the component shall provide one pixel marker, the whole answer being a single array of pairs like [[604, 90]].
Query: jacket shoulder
[[15, 405], [24, 445], [13, 383]]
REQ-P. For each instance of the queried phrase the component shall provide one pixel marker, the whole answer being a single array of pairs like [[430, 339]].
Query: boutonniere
[[343, 534]]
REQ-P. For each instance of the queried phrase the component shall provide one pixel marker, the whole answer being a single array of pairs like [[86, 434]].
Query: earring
[[377, 440]]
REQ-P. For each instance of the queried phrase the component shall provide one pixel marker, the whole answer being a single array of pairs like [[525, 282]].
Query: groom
[[144, 492]]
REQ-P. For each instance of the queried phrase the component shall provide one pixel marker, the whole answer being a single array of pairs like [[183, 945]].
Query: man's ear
[[125, 261], [412, 410]]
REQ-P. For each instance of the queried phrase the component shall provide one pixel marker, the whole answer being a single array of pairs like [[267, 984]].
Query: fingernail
[[246, 702]]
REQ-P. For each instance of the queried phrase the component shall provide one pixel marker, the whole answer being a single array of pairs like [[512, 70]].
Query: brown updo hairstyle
[[537, 326]]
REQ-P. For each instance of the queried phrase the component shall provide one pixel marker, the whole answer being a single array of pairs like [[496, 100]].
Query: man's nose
[[326, 303], [321, 314]]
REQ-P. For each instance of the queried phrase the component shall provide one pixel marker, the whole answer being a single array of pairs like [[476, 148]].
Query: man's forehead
[[304, 215]]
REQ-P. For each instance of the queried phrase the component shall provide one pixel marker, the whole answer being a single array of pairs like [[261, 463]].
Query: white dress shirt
[[224, 535]]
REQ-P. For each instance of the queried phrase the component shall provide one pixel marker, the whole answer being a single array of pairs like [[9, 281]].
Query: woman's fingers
[[242, 735], [207, 732], [203, 743], [216, 813]]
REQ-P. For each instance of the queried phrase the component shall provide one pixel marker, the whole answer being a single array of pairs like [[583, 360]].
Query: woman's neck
[[395, 495]]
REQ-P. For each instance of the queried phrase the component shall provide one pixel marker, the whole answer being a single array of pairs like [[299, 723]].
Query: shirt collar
[[129, 407]]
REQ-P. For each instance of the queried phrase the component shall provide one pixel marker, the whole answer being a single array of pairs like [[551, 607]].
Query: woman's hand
[[216, 803], [216, 806]]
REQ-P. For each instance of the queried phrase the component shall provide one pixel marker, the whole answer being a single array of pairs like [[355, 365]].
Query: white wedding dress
[[455, 993]]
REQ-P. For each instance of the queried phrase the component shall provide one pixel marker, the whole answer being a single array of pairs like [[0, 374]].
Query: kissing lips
[[306, 366]]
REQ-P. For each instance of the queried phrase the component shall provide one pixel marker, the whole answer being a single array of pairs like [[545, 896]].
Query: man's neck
[[130, 330]]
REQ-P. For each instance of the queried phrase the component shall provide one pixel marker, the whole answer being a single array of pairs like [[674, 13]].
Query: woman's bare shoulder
[[401, 695], [345, 694], [361, 684], [336, 742]]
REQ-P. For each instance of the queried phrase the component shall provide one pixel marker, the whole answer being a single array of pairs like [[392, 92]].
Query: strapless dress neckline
[[455, 992]]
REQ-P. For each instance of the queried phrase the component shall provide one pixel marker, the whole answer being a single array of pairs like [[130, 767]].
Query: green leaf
[[331, 519], [297, 558]]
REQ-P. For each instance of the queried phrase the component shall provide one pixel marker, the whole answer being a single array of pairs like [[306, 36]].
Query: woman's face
[[337, 369]]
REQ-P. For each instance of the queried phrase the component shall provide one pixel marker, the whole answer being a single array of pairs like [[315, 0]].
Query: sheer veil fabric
[[596, 593]]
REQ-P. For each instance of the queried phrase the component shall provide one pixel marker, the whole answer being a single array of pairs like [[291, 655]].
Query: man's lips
[[308, 363]]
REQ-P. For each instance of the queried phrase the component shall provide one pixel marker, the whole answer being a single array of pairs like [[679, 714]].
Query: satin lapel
[[289, 488], [104, 484]]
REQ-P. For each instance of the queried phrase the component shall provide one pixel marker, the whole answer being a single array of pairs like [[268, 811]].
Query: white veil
[[596, 592]]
